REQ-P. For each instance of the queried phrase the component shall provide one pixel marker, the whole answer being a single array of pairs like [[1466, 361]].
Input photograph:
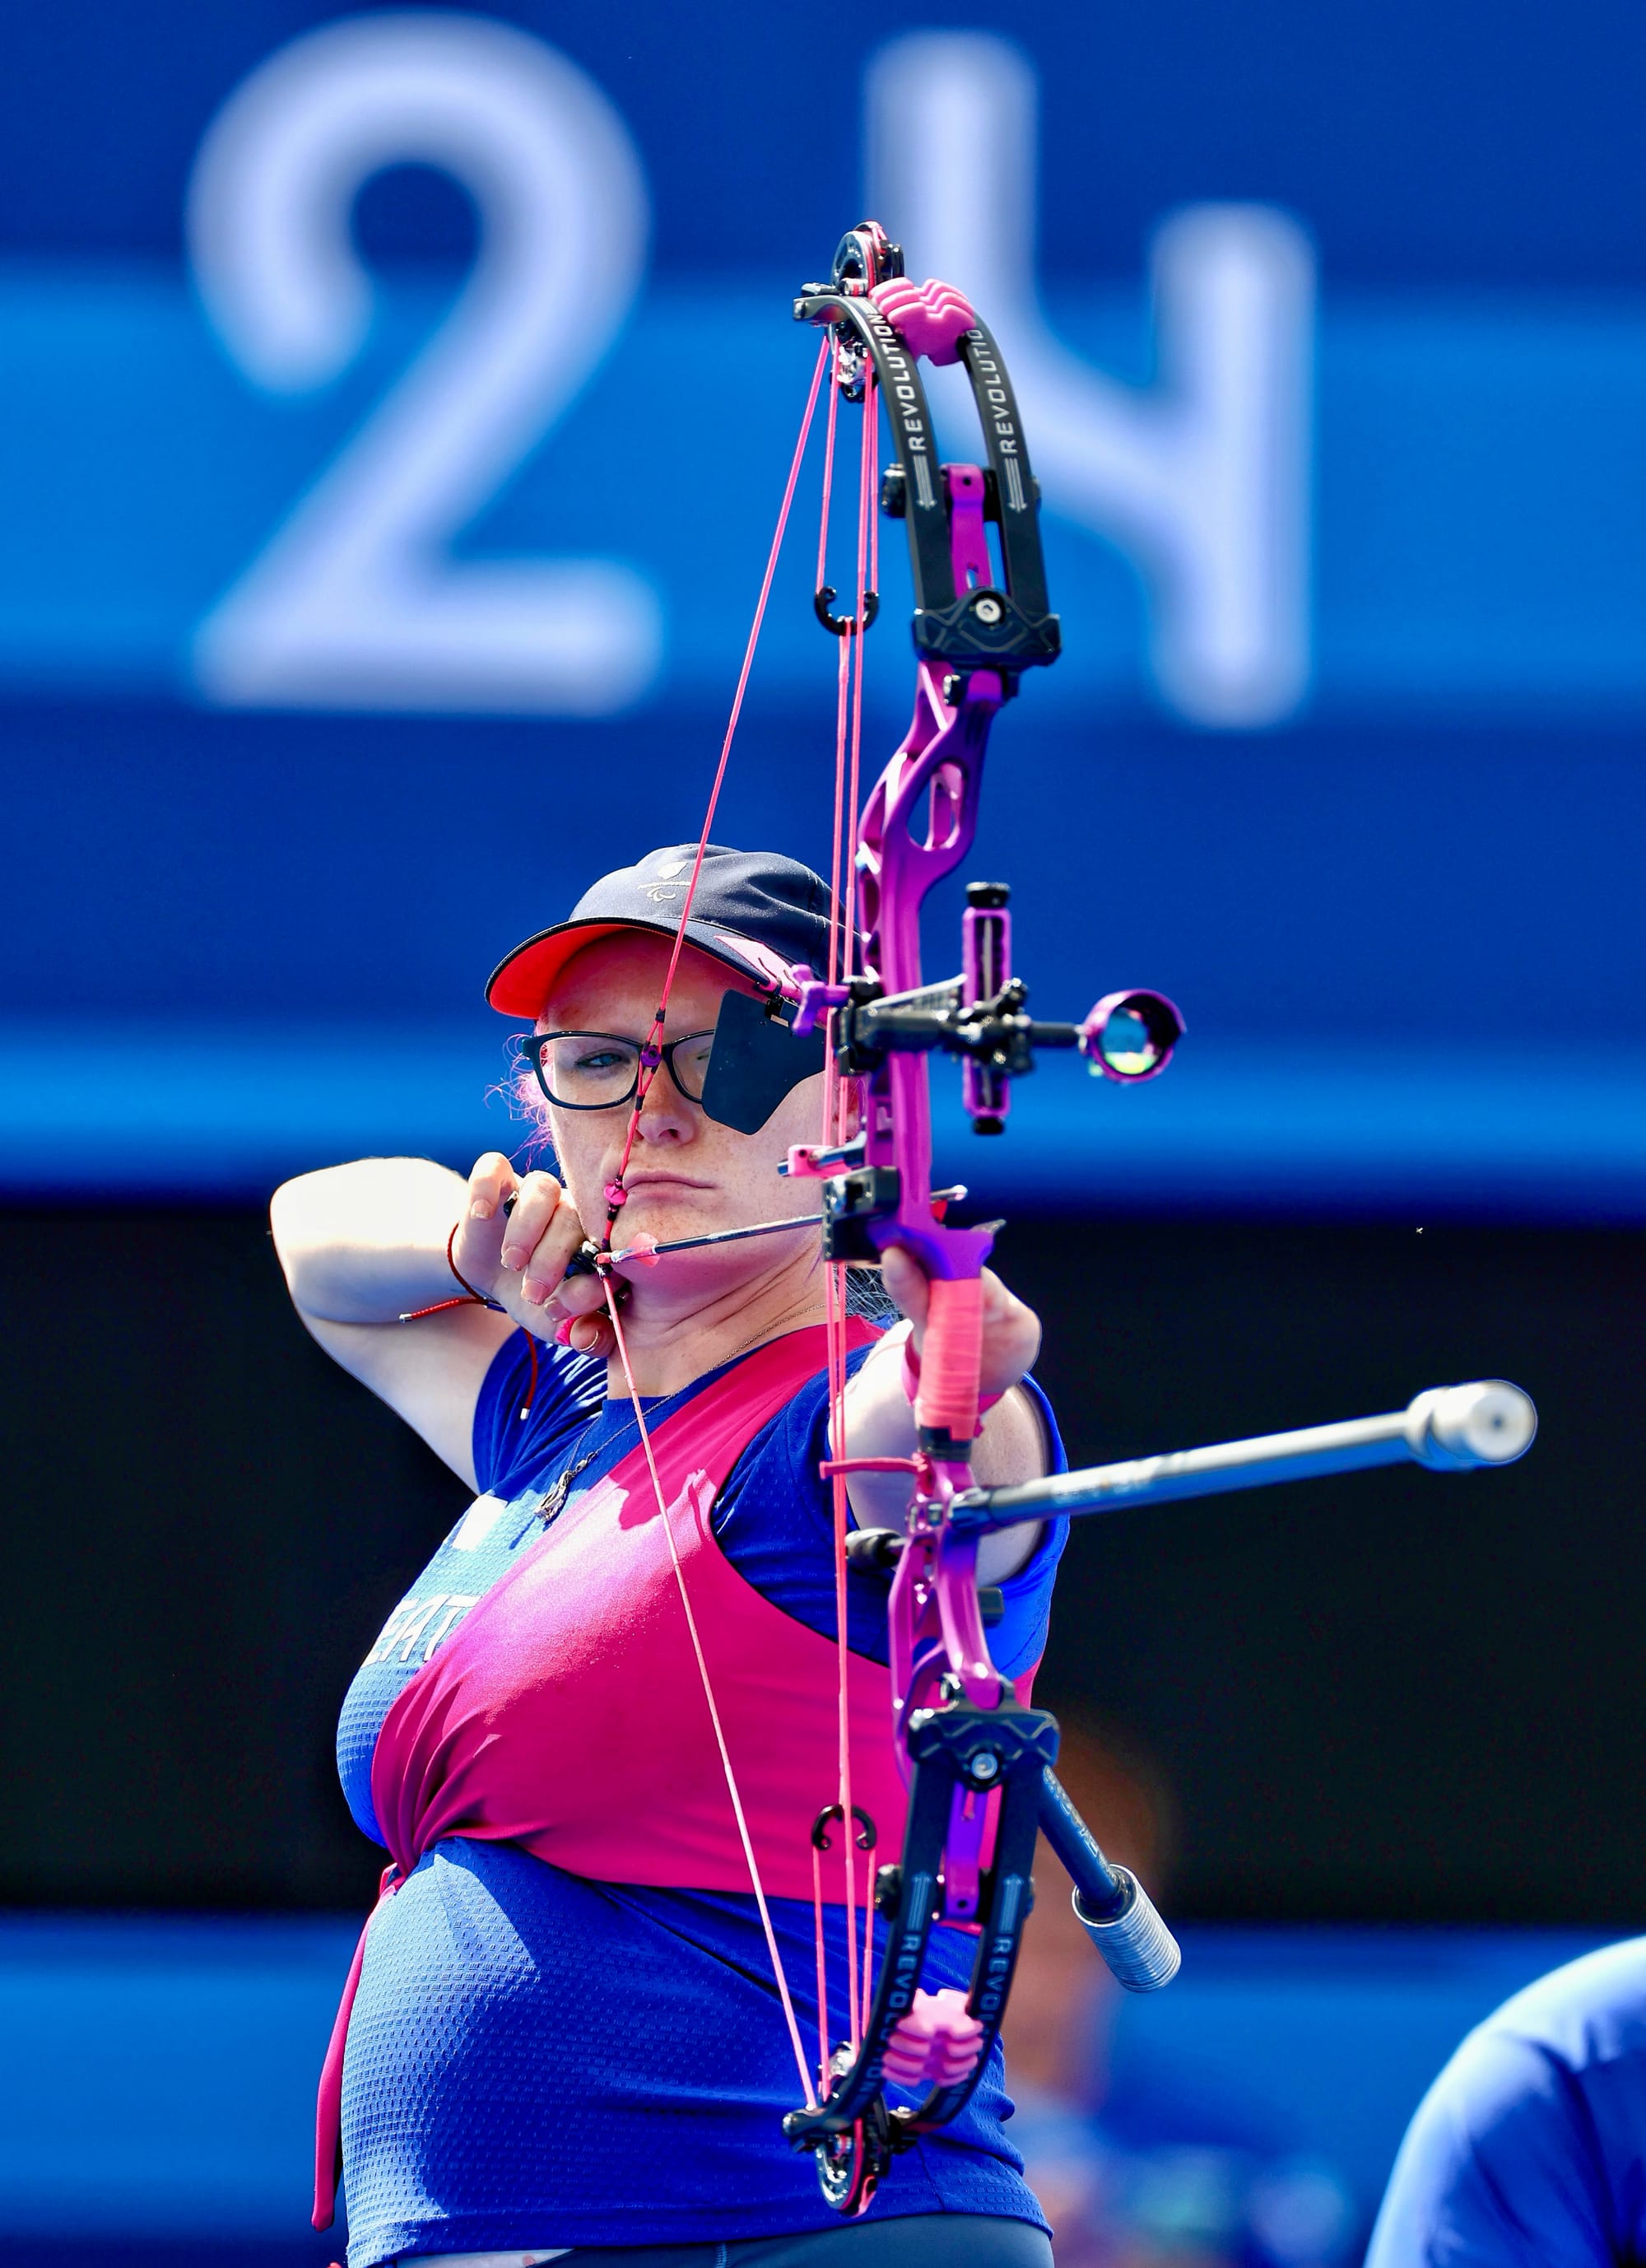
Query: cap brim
[[522, 980]]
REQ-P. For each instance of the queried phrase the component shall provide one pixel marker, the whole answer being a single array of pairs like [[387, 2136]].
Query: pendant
[[555, 1501]]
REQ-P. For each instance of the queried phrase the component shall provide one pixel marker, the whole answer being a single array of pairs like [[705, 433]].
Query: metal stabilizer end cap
[[1486, 1423], [1141, 1951]]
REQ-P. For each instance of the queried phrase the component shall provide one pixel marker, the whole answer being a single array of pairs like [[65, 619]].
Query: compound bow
[[977, 1763]]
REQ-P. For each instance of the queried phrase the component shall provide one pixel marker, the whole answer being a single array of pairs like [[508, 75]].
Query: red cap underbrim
[[522, 980]]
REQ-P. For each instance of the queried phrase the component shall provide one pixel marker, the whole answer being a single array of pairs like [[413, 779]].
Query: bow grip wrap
[[945, 1404]]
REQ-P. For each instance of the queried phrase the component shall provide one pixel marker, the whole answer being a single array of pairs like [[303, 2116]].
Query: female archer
[[599, 1737]]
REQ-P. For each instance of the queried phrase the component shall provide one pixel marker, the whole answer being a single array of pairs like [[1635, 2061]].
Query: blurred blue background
[[396, 409], [352, 593], [161, 2074]]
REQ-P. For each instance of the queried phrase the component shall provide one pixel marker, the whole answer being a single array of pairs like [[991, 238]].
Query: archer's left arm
[[880, 1422]]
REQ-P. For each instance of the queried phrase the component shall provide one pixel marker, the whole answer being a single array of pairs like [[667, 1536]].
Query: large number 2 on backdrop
[[355, 602]]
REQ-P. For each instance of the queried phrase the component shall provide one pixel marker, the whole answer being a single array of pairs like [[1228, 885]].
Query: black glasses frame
[[532, 1043]]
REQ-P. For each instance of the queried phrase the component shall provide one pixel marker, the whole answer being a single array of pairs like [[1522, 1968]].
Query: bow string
[[975, 1761]]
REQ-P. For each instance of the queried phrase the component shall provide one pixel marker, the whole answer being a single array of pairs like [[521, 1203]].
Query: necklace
[[554, 1500], [556, 1497]]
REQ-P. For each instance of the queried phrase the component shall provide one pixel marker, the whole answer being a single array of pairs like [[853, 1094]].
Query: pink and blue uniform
[[565, 2030]]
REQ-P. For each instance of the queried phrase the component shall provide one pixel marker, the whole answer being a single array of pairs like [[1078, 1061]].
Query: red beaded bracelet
[[471, 1297]]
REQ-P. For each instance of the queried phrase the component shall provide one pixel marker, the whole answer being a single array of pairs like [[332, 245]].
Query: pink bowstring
[[842, 958], [832, 347], [648, 1071], [650, 1063], [831, 1074], [730, 1774], [822, 1969], [848, 753], [835, 1292]]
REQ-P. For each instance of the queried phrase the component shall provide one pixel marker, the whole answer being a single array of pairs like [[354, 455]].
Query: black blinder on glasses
[[755, 1062]]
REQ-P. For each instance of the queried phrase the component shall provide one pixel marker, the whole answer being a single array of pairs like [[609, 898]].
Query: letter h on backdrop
[[1202, 480]]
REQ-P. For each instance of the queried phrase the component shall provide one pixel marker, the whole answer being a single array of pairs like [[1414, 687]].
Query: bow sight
[[1128, 1036], [978, 1016]]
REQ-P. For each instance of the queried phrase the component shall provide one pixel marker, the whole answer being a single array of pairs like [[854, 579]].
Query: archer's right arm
[[364, 1244]]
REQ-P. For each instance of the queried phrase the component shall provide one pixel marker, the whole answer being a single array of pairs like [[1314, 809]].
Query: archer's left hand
[[880, 1423], [1011, 1331]]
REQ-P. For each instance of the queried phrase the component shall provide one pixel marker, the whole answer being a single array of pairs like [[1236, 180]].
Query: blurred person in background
[[1529, 2151], [1139, 2176]]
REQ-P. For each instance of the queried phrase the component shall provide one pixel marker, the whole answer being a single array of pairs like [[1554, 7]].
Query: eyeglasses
[[596, 1070]]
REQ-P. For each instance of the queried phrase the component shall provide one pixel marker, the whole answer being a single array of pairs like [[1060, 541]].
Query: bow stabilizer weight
[[1449, 1429]]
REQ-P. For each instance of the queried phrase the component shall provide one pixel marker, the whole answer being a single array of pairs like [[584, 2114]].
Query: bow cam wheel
[[851, 2164]]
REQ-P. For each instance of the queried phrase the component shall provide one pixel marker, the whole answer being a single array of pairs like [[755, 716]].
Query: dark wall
[[1397, 1696], [1400, 1694], [214, 1520]]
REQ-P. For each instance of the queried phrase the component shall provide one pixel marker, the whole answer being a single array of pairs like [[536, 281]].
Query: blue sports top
[[1529, 2151], [536, 2059]]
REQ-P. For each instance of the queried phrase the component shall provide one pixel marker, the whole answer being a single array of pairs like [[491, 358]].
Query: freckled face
[[688, 1174]]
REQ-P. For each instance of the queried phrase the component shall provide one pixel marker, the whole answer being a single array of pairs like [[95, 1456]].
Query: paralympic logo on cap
[[669, 871]]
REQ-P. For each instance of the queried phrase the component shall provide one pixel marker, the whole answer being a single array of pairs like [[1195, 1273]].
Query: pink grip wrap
[[950, 1357]]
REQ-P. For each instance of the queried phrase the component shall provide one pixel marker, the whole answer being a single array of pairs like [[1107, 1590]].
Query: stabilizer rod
[[1110, 1905], [1449, 1429]]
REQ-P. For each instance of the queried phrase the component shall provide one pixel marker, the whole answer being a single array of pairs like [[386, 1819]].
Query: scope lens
[[1135, 1037]]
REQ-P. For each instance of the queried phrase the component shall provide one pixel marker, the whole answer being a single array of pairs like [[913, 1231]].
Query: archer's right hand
[[518, 1253]]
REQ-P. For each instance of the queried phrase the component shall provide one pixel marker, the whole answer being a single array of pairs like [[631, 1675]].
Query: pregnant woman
[[595, 1734]]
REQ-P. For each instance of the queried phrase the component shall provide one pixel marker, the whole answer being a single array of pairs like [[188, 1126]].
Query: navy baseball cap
[[756, 913]]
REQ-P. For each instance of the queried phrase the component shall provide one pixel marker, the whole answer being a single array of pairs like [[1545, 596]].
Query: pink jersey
[[566, 1714]]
